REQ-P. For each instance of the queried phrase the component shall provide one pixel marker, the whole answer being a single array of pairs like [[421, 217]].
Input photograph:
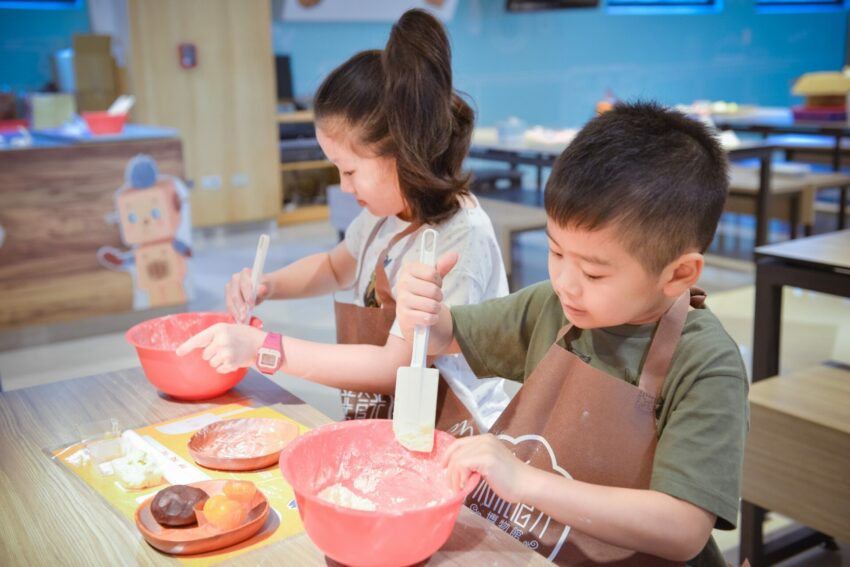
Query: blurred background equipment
[[95, 77], [826, 95]]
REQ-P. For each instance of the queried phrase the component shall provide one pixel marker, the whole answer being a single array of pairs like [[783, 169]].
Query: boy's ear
[[682, 273]]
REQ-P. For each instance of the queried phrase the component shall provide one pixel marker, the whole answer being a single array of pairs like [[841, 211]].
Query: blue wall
[[551, 67], [28, 39], [546, 67]]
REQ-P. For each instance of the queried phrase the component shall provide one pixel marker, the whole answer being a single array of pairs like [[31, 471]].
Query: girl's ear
[[682, 273]]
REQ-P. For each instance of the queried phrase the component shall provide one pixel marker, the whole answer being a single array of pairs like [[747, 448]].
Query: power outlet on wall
[[211, 182], [240, 179]]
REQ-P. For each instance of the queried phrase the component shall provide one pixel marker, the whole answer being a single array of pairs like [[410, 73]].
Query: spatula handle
[[427, 255], [257, 272]]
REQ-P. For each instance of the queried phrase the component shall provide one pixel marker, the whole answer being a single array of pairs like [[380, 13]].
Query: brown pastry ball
[[175, 506]]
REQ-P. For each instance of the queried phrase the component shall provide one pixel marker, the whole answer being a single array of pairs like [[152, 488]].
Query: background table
[[769, 121], [818, 263], [50, 517], [485, 147]]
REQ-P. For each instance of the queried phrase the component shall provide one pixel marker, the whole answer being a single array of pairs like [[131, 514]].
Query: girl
[[398, 133]]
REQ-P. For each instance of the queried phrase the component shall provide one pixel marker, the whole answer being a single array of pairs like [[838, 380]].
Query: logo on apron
[[363, 405], [464, 428], [532, 527]]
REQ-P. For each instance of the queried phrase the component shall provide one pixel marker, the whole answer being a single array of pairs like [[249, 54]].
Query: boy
[[625, 443]]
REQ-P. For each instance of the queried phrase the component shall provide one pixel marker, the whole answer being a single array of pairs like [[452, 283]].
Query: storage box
[[94, 72], [50, 110], [826, 96], [819, 114], [822, 84]]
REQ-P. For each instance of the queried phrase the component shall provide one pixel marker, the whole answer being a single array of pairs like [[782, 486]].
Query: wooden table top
[[830, 250], [820, 395], [516, 216], [49, 517]]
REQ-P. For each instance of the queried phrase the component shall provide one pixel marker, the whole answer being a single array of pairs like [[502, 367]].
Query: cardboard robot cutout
[[153, 213]]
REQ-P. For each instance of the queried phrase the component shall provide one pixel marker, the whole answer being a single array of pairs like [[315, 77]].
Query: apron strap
[[664, 340], [663, 345], [383, 289]]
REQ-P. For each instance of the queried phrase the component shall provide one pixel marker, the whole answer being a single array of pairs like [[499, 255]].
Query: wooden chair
[[487, 180], [792, 196], [510, 219]]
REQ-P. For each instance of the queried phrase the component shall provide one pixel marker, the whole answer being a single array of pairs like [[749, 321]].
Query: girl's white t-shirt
[[478, 275]]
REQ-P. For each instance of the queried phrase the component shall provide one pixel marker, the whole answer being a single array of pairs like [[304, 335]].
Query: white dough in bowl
[[342, 496]]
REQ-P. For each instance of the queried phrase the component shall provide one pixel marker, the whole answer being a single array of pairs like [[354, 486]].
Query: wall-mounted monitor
[[538, 5]]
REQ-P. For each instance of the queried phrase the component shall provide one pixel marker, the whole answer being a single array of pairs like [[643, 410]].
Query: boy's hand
[[237, 293], [226, 346], [489, 457], [420, 292]]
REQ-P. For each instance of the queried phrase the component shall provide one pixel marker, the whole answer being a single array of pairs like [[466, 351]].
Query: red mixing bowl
[[415, 510], [187, 377], [101, 122]]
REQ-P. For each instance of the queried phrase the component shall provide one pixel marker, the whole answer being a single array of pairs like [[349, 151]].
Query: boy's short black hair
[[657, 175]]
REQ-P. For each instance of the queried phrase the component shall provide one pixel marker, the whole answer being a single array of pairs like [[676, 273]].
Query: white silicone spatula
[[256, 274], [415, 408], [122, 105]]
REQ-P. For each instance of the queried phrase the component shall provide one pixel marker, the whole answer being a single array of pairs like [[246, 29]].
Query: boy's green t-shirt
[[702, 423]]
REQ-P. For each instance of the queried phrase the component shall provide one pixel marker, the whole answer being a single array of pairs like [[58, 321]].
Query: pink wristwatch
[[270, 355]]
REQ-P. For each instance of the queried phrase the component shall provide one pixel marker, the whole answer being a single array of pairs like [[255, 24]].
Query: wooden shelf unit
[[295, 117], [307, 213], [304, 165]]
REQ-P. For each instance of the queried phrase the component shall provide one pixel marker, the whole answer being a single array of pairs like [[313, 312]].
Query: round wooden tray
[[244, 444], [202, 537]]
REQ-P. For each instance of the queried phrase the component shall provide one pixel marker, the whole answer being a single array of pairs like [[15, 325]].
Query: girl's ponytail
[[429, 123], [400, 103]]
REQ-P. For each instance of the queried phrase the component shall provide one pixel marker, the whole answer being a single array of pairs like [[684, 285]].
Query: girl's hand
[[237, 293], [420, 293], [226, 346], [489, 457]]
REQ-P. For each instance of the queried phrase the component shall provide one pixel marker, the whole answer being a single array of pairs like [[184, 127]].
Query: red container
[[11, 126], [101, 122], [415, 511], [187, 377]]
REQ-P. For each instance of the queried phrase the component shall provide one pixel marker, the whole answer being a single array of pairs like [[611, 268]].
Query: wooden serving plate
[[202, 537], [244, 444]]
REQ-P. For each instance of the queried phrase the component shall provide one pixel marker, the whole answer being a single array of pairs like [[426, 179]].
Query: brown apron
[[572, 419], [371, 325]]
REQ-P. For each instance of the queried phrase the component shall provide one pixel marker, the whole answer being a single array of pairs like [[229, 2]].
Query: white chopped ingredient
[[79, 458], [137, 470]]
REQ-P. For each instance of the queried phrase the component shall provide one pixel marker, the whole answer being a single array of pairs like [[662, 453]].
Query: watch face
[[268, 359]]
